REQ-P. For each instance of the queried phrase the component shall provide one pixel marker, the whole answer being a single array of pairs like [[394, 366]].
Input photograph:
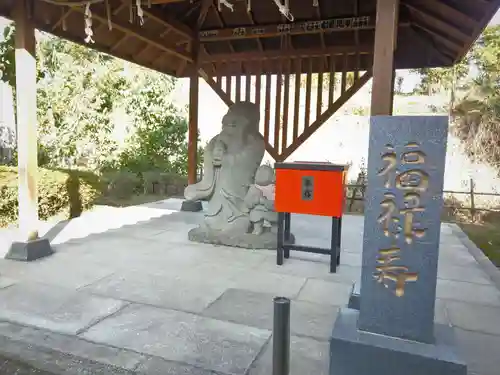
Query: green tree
[[159, 141], [477, 115], [80, 89], [7, 53], [437, 79]]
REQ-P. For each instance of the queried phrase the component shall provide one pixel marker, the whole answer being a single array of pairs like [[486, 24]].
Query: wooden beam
[[139, 33], [165, 1], [331, 81], [307, 109], [383, 60], [296, 104], [267, 108], [277, 109], [326, 115], [294, 28], [193, 116], [258, 85], [288, 54], [25, 60], [286, 106]]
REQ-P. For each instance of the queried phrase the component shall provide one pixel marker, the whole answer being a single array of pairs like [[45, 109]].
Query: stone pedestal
[[29, 251], [354, 352], [191, 206]]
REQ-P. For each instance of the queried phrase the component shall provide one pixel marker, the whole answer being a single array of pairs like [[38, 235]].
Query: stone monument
[[239, 191], [390, 327]]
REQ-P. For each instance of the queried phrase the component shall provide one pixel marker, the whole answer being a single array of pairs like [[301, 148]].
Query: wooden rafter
[[439, 22], [205, 7], [444, 10], [139, 33], [450, 43], [438, 50], [490, 7], [167, 21]]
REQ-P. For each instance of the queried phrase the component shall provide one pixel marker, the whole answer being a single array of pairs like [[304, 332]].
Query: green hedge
[[59, 191]]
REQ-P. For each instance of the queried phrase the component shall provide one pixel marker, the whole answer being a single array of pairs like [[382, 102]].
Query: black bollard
[[281, 336]]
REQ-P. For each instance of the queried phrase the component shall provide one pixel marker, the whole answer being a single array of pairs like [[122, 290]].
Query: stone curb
[[491, 270]]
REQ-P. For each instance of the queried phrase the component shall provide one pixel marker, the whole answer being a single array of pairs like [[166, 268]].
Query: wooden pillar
[[193, 115], [386, 28], [25, 56]]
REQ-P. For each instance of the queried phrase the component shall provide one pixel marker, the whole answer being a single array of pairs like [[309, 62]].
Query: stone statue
[[239, 191], [231, 159]]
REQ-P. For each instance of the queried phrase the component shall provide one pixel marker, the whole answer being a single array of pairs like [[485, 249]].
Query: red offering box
[[315, 188]]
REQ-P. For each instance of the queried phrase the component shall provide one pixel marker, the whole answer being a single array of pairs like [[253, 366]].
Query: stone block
[[403, 203], [191, 206], [355, 352], [29, 251]]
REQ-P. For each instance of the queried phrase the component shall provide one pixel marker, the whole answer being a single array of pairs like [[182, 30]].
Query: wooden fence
[[356, 192]]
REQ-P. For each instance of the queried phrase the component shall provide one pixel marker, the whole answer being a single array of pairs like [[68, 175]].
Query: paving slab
[[54, 308], [264, 282], [77, 272], [256, 310], [323, 292], [468, 292], [480, 351], [472, 274], [474, 317], [177, 336], [307, 357], [183, 293]]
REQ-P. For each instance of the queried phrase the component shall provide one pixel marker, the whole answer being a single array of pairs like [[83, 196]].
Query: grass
[[486, 236]]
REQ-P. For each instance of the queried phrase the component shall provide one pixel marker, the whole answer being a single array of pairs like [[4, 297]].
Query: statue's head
[[265, 175], [241, 118]]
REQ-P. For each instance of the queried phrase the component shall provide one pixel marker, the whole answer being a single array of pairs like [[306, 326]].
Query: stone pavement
[[127, 293]]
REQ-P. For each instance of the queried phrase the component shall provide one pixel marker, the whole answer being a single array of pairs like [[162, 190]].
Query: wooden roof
[[431, 33]]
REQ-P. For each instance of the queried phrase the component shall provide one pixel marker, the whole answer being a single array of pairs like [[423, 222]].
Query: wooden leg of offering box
[[333, 245], [284, 246], [287, 234], [339, 240], [280, 250]]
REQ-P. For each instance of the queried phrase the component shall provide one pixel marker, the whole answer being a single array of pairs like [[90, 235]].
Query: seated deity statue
[[231, 160], [260, 200]]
